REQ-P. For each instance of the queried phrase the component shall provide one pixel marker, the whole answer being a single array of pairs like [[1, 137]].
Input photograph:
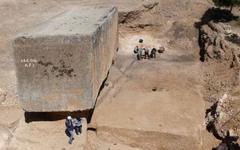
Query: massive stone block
[[62, 63]]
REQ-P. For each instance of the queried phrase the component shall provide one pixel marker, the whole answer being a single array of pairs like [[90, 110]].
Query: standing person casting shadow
[[140, 50], [146, 55], [69, 129], [137, 51]]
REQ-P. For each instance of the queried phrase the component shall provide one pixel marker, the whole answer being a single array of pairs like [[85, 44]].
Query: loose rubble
[[218, 115]]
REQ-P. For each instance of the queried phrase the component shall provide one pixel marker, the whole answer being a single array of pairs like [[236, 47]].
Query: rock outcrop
[[62, 63], [222, 58], [217, 116], [213, 43], [219, 51], [222, 118], [216, 42]]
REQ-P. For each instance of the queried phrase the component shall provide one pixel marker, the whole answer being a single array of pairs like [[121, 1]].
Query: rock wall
[[213, 43], [62, 63], [221, 58], [220, 52]]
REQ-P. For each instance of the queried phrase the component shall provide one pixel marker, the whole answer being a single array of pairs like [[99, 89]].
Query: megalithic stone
[[62, 63]]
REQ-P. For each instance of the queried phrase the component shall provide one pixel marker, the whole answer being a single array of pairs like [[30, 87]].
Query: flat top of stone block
[[77, 20]]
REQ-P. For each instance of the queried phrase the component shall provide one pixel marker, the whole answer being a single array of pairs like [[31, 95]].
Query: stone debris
[[150, 4], [214, 42], [216, 117], [219, 117]]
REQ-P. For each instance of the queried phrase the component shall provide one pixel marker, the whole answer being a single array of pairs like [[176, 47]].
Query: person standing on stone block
[[77, 122], [70, 129]]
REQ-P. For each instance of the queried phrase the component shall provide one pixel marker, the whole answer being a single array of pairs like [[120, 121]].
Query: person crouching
[[77, 125]]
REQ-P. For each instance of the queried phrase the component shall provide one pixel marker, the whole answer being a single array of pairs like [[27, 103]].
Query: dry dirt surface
[[153, 101], [154, 104]]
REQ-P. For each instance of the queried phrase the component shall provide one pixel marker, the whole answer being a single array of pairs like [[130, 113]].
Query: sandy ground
[[45, 135], [129, 115]]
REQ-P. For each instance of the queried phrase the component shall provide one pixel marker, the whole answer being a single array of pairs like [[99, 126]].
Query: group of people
[[144, 52], [73, 125]]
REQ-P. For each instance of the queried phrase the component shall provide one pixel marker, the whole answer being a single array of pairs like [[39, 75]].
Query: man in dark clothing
[[153, 53], [146, 55], [77, 125], [70, 129], [141, 49], [137, 51]]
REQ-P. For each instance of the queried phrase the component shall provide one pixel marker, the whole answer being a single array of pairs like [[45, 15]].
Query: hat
[[69, 117]]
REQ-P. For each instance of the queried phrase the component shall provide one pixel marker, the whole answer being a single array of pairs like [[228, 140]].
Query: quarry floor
[[153, 103]]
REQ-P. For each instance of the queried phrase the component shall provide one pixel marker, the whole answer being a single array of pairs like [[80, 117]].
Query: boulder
[[150, 4], [62, 63], [221, 118]]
